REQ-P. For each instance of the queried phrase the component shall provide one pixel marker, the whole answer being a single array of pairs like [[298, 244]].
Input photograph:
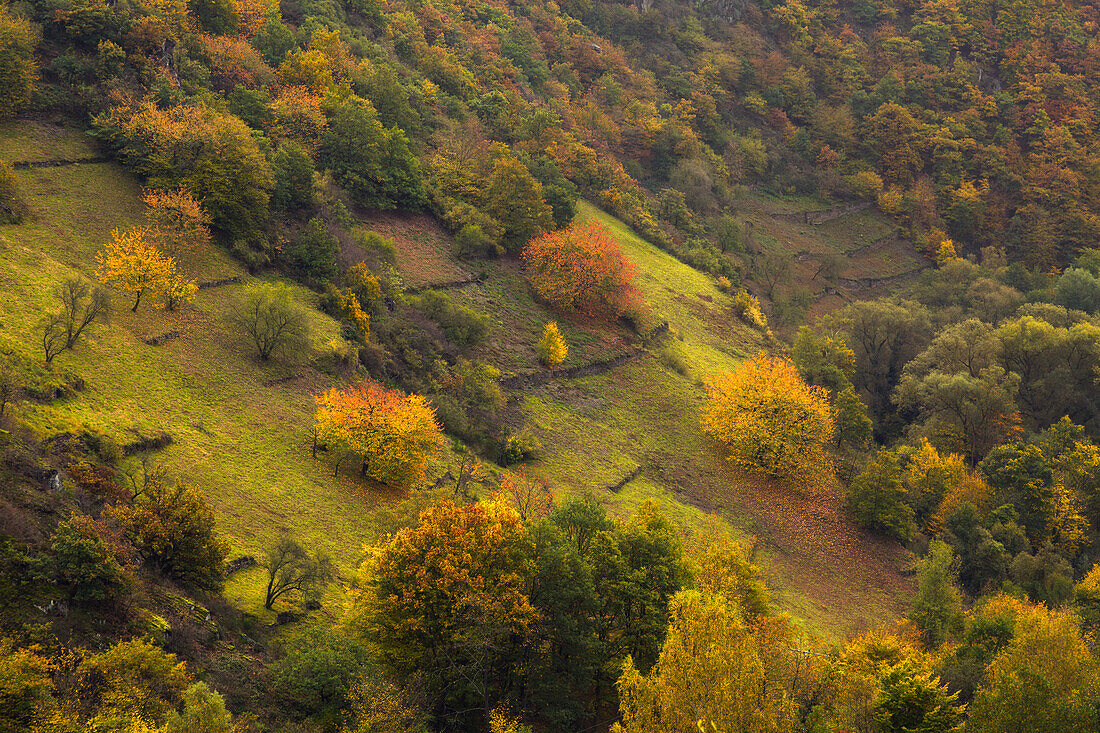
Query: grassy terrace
[[245, 443]]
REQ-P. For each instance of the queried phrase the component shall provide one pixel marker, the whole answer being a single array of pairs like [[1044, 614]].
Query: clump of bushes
[[464, 326]]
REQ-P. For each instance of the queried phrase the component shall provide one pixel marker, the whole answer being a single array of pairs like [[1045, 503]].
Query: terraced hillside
[[240, 430]]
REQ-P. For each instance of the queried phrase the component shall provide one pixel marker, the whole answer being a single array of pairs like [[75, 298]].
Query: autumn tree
[[270, 319], [551, 347], [394, 434], [446, 600], [18, 70], [131, 262], [176, 220], [211, 154], [172, 529], [292, 569], [770, 420], [581, 268], [715, 672], [1046, 680], [81, 307]]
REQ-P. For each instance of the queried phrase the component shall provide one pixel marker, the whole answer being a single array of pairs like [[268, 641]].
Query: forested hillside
[[375, 366]]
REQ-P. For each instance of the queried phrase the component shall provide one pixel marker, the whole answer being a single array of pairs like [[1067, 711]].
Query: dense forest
[[301, 196]]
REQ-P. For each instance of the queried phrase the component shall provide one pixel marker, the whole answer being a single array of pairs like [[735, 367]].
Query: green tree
[[937, 607], [270, 319], [18, 70], [172, 530], [885, 336], [317, 672], [292, 569], [1079, 289], [823, 360], [853, 425], [373, 163], [514, 198], [295, 187], [84, 564], [313, 252], [877, 497]]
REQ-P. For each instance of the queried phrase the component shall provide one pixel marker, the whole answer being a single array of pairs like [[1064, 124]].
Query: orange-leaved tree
[[580, 268], [394, 434], [447, 600], [177, 220], [770, 420], [131, 262]]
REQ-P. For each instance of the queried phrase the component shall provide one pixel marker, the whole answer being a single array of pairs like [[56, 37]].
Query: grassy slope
[[245, 443]]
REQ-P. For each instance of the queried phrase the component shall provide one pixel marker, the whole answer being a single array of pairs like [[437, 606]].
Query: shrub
[[520, 447], [747, 307], [464, 326], [551, 347], [12, 207], [313, 252]]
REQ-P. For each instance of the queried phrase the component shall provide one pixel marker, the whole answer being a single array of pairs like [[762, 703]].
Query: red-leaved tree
[[580, 268]]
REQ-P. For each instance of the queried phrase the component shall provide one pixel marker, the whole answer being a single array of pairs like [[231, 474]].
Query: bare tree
[[291, 568], [770, 269], [81, 306], [270, 318]]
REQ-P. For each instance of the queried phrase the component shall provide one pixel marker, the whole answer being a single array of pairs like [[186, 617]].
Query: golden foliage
[[580, 268], [131, 262], [714, 673], [551, 347], [176, 220], [770, 420], [395, 434]]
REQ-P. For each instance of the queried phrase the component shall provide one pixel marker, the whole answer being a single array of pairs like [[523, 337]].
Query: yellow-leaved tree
[[770, 420], [715, 673], [131, 262], [552, 348], [394, 434]]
